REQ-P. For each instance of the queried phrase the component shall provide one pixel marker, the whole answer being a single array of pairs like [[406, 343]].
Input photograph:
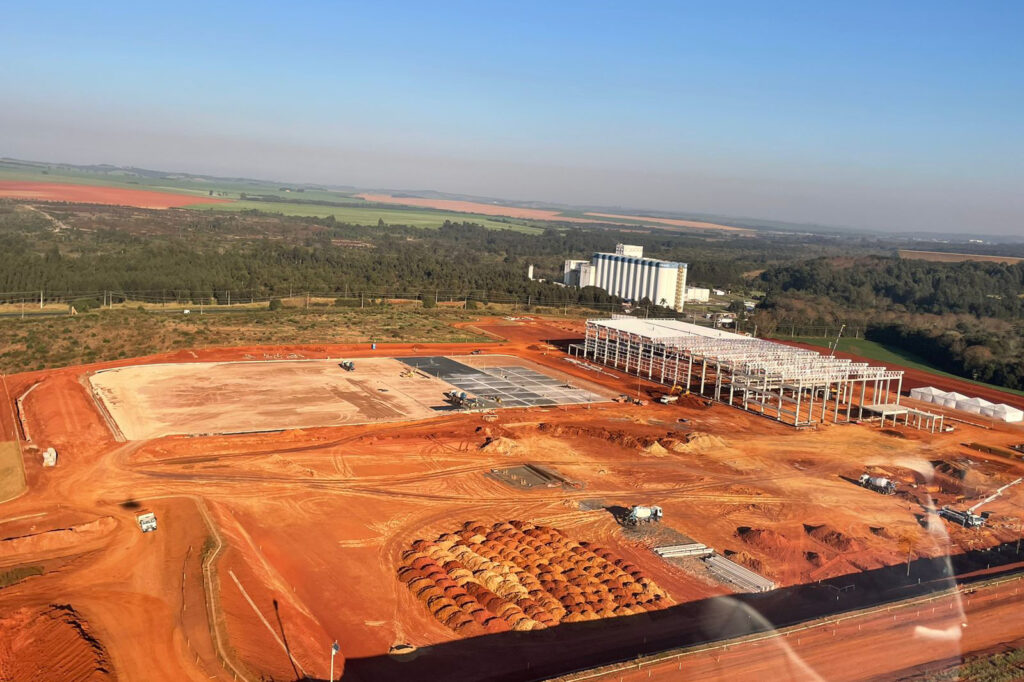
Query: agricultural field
[[300, 503], [943, 257], [370, 216]]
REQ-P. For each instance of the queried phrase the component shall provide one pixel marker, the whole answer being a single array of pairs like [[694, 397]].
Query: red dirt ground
[[95, 194], [270, 546]]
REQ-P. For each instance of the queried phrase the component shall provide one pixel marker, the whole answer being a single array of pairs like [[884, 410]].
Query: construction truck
[[879, 484], [146, 521], [347, 365], [969, 518], [460, 399], [640, 514]]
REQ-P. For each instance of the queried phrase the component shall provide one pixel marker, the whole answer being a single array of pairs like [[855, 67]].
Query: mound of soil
[[51, 644], [697, 441], [58, 538], [656, 449], [500, 445], [831, 537], [745, 559], [763, 539]]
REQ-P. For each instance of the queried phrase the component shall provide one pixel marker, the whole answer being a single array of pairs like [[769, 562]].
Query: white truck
[[641, 514], [146, 521]]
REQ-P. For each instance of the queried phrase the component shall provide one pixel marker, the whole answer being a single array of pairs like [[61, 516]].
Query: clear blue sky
[[888, 115]]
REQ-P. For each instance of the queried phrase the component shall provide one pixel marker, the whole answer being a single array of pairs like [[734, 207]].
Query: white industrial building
[[630, 276], [793, 385], [697, 295]]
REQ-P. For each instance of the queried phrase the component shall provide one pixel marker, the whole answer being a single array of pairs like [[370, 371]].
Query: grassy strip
[[17, 574], [888, 355], [46, 342], [1002, 667]]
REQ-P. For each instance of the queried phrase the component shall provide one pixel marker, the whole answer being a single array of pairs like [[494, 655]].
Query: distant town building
[[718, 292], [630, 276], [697, 295], [529, 273]]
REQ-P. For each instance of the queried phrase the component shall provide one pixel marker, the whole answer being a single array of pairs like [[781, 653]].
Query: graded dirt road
[[97, 194], [272, 545]]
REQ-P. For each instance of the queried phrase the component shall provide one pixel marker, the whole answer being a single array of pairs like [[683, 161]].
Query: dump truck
[[146, 521], [347, 365], [878, 483]]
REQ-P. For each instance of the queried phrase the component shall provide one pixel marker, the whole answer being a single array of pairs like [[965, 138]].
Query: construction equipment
[[666, 399], [879, 484], [49, 457], [835, 345], [460, 399], [969, 518], [347, 365], [640, 514], [146, 521]]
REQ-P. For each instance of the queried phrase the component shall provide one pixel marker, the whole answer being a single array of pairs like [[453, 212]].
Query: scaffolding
[[793, 385]]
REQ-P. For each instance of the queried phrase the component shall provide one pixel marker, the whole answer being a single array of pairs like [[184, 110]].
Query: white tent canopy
[[928, 394], [952, 399], [972, 405], [1006, 413]]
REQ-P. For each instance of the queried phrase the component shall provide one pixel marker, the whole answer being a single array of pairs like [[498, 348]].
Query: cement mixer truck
[[878, 483], [640, 514]]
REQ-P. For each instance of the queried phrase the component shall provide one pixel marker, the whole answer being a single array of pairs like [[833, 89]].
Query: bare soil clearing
[[272, 545], [96, 194]]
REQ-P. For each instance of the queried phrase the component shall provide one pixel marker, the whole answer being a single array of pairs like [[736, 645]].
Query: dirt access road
[[272, 545]]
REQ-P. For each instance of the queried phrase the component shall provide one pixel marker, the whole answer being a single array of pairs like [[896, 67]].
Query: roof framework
[[794, 385]]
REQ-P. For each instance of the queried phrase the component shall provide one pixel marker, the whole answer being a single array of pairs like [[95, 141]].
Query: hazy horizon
[[871, 116]]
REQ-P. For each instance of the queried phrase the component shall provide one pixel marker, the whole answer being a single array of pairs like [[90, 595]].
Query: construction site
[[565, 499]]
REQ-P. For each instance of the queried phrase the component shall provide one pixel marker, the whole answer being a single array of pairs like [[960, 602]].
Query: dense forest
[[966, 318], [201, 256]]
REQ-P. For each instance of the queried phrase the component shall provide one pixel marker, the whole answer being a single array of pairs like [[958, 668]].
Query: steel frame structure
[[792, 385]]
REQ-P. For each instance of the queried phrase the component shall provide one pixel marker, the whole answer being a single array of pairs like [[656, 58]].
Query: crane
[[970, 519], [835, 345]]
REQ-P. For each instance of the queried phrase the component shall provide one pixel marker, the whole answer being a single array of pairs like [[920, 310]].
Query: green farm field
[[342, 205]]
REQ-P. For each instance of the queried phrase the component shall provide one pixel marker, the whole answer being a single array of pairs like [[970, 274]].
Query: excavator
[[673, 395]]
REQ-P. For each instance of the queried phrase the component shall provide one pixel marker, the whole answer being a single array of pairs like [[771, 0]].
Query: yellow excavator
[[673, 395]]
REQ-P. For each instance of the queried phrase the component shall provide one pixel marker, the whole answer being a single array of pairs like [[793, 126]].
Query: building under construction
[[793, 385]]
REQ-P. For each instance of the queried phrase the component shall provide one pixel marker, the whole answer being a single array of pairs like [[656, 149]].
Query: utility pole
[[334, 652], [40, 299]]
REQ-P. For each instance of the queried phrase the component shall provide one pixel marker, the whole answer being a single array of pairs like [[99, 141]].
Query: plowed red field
[[94, 194]]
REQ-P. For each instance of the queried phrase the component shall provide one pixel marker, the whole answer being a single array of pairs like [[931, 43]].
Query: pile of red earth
[[518, 576]]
